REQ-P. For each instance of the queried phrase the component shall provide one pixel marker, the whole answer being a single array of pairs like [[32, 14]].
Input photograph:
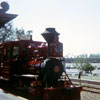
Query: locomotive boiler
[[39, 66]]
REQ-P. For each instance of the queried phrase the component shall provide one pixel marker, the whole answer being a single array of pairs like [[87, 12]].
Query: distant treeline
[[94, 56], [90, 60], [84, 56]]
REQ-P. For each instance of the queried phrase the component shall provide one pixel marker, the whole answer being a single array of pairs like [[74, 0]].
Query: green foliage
[[88, 67], [21, 33], [94, 56], [9, 33], [82, 56], [80, 61]]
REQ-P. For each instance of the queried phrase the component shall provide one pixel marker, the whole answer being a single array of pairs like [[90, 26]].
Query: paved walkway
[[8, 96]]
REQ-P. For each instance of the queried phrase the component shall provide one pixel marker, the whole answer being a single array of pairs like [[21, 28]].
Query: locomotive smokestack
[[49, 35]]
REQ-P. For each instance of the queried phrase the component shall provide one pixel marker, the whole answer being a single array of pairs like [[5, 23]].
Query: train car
[[39, 67]]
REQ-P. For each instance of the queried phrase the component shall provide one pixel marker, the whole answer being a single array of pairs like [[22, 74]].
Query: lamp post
[[5, 17]]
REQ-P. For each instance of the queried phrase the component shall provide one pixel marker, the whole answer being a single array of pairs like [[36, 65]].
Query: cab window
[[15, 52]]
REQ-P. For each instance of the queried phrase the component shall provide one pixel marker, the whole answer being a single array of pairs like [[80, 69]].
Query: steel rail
[[86, 81], [92, 91], [89, 84], [93, 87]]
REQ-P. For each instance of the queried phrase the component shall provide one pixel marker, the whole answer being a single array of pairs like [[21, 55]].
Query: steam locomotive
[[39, 66]]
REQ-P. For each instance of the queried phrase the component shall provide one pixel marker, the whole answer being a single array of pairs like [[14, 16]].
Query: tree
[[94, 55], [22, 33], [9, 33], [80, 61], [88, 67]]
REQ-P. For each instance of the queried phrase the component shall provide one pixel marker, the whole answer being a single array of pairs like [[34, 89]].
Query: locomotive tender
[[39, 66]]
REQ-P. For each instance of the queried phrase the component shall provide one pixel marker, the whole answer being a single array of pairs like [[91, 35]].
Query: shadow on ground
[[17, 91]]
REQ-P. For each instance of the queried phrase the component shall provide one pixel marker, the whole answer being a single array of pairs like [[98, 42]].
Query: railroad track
[[91, 89], [89, 86]]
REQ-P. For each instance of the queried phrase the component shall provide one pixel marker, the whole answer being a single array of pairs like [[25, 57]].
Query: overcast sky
[[77, 21]]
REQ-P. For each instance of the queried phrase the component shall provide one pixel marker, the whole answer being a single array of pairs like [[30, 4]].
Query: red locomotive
[[39, 66]]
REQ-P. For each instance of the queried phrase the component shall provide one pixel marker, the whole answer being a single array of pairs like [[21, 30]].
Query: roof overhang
[[4, 18]]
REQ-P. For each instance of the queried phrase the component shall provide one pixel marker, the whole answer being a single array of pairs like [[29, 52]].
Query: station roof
[[4, 18]]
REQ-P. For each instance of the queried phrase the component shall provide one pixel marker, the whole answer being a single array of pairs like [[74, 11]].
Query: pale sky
[[77, 21]]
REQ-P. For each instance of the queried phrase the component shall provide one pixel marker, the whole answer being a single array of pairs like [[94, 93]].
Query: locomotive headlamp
[[4, 17], [56, 69]]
